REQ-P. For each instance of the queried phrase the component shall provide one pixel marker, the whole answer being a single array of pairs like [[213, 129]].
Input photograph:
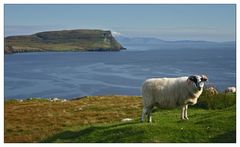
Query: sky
[[168, 22]]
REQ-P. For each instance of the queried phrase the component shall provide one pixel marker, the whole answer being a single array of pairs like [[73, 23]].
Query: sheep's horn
[[204, 78]]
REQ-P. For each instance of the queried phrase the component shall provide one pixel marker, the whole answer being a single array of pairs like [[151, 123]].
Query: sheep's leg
[[185, 112], [182, 112], [147, 111], [149, 116], [144, 111]]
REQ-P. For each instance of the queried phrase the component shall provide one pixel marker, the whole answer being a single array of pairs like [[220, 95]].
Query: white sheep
[[170, 93], [230, 90], [211, 91]]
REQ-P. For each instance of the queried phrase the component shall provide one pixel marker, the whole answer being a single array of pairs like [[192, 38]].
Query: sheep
[[170, 93], [211, 91], [230, 90]]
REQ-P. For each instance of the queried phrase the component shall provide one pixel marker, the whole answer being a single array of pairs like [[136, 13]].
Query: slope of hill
[[66, 40], [101, 119]]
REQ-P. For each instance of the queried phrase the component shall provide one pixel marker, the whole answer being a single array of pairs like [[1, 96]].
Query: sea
[[77, 74]]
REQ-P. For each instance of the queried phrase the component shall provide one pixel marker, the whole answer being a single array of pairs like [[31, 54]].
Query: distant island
[[61, 41]]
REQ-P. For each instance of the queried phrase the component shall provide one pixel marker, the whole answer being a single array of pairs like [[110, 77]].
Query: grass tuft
[[217, 101]]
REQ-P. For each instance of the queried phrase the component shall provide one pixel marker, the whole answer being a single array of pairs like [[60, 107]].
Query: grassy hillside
[[67, 40], [99, 119]]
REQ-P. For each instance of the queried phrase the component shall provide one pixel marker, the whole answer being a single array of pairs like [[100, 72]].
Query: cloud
[[116, 33]]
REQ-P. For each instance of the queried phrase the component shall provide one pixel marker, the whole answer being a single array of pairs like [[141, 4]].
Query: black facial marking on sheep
[[198, 80], [193, 78]]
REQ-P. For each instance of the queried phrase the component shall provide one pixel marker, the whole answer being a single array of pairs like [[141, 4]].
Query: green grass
[[218, 101], [98, 119], [204, 126]]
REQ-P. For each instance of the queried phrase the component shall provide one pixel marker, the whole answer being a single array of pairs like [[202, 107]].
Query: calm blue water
[[74, 74]]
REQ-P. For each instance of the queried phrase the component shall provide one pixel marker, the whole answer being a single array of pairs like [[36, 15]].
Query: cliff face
[[66, 40]]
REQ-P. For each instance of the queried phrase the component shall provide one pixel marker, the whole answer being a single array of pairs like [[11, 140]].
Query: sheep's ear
[[204, 78]]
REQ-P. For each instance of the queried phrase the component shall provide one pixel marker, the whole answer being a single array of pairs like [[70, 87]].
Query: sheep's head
[[198, 80]]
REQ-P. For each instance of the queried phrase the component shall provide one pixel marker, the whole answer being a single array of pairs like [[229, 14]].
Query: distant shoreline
[[64, 51], [63, 99]]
